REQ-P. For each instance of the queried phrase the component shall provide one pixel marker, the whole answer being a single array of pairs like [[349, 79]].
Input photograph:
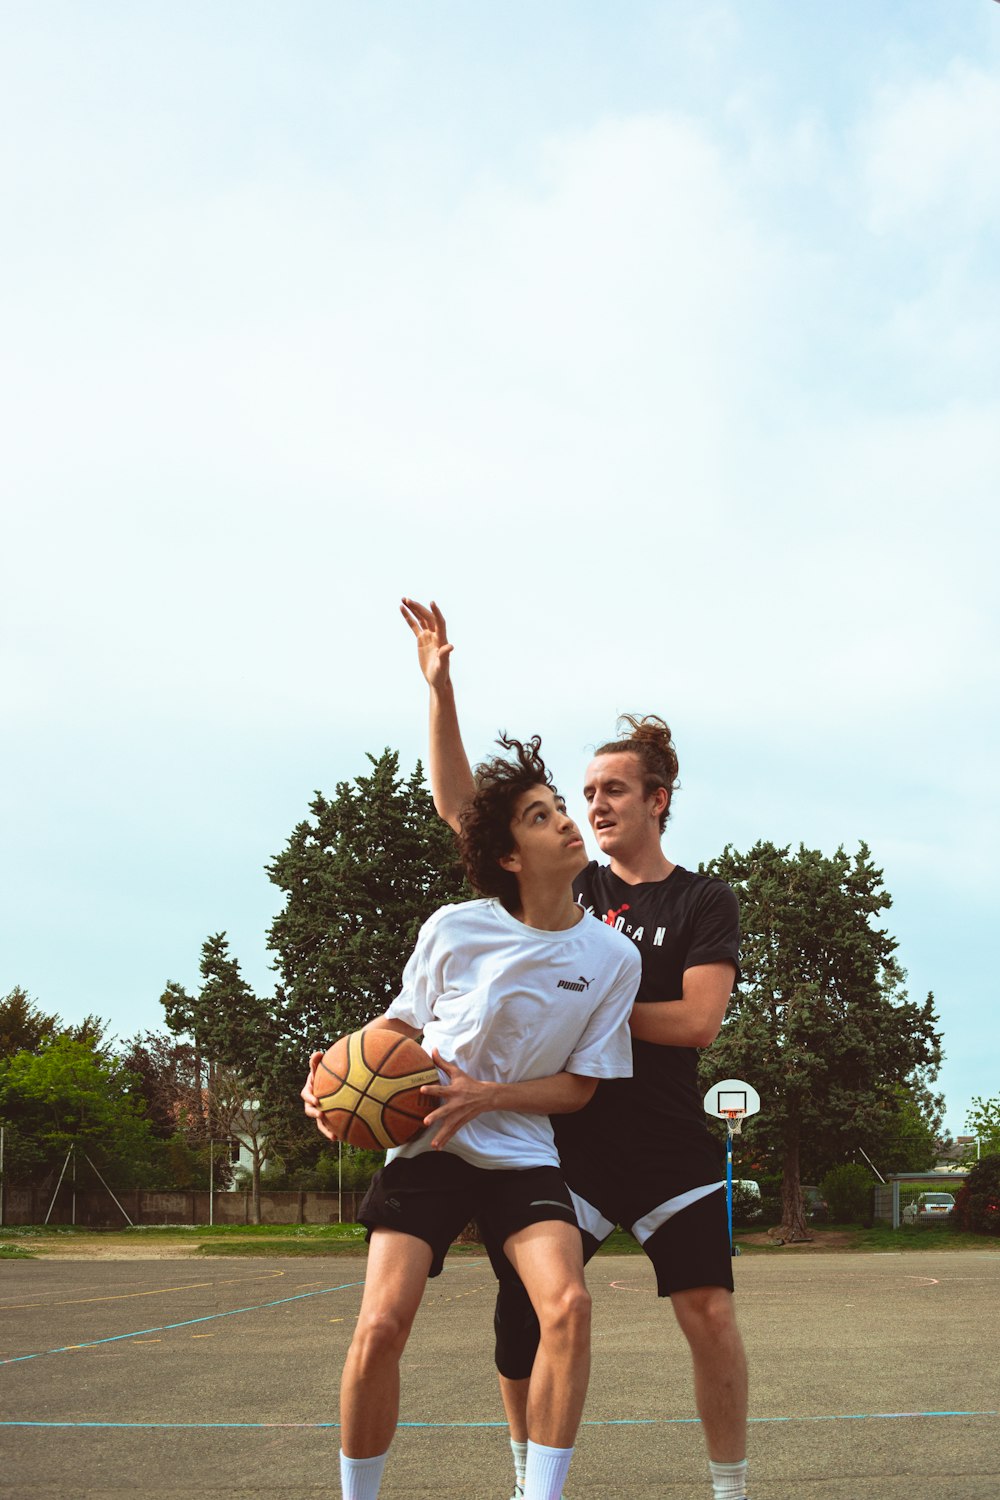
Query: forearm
[[693, 1020], [669, 1023], [452, 785], [560, 1094]]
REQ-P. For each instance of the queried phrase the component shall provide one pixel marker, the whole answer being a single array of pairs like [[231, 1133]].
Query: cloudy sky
[[659, 342]]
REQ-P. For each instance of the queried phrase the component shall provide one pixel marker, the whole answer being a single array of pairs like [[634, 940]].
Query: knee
[[380, 1334], [567, 1318], [705, 1313]]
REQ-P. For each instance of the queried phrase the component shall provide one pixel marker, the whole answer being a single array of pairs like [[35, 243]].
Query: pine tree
[[359, 880], [359, 877], [820, 1023]]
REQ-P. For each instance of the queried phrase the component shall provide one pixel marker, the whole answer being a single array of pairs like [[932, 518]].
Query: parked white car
[[929, 1208]]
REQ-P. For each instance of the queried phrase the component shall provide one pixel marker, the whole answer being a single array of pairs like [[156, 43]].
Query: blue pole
[[729, 1181]]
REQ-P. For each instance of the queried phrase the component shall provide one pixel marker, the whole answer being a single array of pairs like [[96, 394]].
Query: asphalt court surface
[[872, 1376]]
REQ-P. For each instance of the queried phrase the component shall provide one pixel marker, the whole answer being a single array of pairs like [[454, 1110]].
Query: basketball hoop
[[731, 1100]]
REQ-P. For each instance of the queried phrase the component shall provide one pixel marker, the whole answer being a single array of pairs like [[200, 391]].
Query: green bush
[[746, 1205], [848, 1191], [977, 1204]]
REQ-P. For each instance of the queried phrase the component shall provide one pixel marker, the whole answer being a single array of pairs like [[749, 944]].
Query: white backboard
[[732, 1093]]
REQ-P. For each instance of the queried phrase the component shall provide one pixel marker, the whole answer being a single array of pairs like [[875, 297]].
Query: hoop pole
[[729, 1182]]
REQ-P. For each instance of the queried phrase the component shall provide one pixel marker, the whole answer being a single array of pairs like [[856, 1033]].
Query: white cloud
[[930, 148]]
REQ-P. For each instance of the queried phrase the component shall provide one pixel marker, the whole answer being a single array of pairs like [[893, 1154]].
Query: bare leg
[[369, 1391], [708, 1322], [548, 1257], [514, 1394]]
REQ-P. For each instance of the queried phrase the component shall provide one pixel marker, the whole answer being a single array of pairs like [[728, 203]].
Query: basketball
[[368, 1087]]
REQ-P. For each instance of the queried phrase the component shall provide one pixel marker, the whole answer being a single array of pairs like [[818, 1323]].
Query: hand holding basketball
[[459, 1100]]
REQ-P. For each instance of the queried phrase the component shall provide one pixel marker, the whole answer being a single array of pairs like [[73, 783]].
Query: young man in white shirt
[[523, 1003]]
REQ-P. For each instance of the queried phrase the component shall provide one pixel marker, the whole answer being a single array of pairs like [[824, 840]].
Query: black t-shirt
[[676, 923]]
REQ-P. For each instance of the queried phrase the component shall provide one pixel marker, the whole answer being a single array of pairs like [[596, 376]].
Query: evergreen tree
[[359, 880], [820, 1023], [23, 1027]]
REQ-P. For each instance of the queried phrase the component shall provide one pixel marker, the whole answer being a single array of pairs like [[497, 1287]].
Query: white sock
[[729, 1481], [545, 1471], [520, 1452], [360, 1477]]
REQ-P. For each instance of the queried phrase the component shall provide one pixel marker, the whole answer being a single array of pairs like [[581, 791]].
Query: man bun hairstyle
[[485, 836], [651, 741]]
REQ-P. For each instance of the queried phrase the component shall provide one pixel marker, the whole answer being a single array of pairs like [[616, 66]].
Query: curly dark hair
[[485, 836], [651, 741]]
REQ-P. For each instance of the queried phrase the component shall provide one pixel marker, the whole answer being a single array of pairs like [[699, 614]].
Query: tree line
[[820, 1021]]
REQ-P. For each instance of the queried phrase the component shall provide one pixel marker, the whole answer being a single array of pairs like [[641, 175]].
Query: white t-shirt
[[507, 1003]]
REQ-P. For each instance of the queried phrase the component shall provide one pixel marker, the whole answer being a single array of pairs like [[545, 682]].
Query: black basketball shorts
[[434, 1195], [685, 1237]]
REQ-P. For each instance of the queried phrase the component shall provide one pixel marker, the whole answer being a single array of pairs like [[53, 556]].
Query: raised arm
[[452, 785]]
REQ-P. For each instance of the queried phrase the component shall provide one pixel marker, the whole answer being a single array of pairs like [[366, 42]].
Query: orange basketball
[[368, 1086]]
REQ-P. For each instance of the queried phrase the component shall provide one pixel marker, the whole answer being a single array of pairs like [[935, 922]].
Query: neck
[[639, 866], [550, 909]]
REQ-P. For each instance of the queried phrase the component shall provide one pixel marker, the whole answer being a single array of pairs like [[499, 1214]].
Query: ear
[[659, 801], [511, 862]]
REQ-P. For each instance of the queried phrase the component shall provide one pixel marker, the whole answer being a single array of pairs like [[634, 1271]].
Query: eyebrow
[[538, 802]]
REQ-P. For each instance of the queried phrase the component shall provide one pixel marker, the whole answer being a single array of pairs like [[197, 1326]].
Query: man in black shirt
[[669, 1194]]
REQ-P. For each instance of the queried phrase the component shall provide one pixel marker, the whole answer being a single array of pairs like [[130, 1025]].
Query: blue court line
[[139, 1333], [860, 1416]]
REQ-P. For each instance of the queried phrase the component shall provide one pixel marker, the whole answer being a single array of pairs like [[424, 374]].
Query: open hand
[[433, 646], [462, 1099]]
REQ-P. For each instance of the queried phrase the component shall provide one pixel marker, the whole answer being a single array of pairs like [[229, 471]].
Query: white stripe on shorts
[[643, 1228], [589, 1219]]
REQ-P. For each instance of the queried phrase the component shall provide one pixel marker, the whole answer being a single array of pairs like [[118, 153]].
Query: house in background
[[248, 1140], [955, 1158]]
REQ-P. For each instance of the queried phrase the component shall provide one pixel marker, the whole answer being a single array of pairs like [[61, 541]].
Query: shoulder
[[705, 891], [463, 916], [588, 878], [609, 941]]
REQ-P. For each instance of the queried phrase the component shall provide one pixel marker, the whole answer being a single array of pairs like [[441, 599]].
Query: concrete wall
[[95, 1208]]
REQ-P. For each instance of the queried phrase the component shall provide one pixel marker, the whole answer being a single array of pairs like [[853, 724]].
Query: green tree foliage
[[23, 1027], [359, 879], [904, 1135], [177, 1089], [977, 1205], [230, 1024], [71, 1092], [820, 1023], [239, 1032], [359, 876], [169, 1078], [848, 1192], [983, 1121]]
